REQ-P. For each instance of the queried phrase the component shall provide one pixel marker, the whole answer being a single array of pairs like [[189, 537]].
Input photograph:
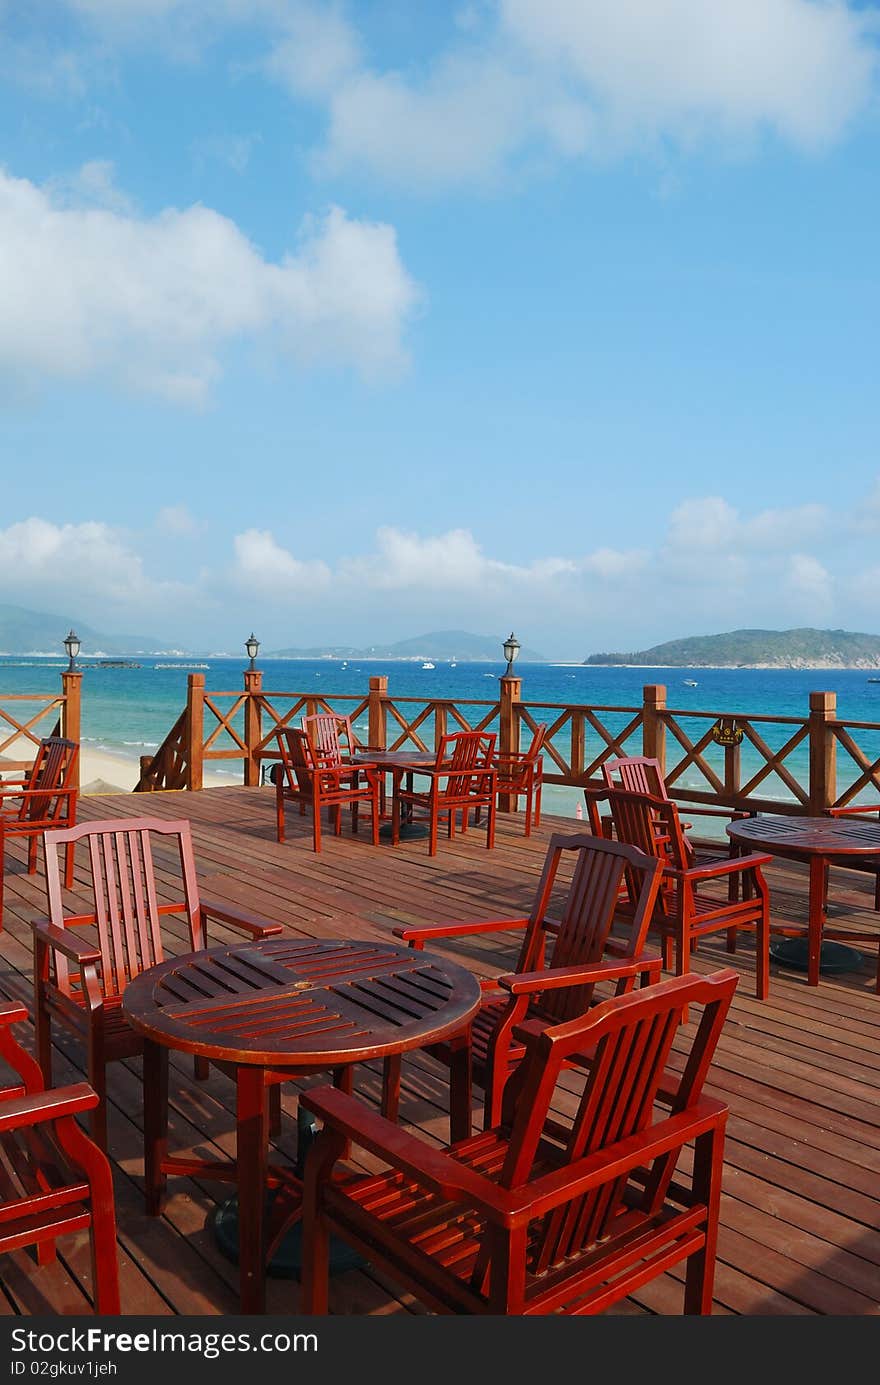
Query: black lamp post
[[72, 645], [511, 650], [252, 645]]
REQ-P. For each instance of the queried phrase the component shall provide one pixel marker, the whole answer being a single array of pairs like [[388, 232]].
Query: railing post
[[194, 729], [253, 724], [578, 745], [377, 731], [653, 725], [71, 711], [508, 739], [823, 752]]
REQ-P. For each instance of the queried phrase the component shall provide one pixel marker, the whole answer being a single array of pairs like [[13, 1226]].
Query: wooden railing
[[29, 717], [779, 764]]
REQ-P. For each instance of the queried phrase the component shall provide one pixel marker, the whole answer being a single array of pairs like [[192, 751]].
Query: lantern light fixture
[[511, 650], [72, 645]]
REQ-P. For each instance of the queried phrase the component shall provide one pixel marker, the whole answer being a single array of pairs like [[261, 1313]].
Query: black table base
[[833, 957]]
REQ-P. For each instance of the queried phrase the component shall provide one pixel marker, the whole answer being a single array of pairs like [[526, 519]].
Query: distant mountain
[[758, 649], [36, 632], [438, 644]]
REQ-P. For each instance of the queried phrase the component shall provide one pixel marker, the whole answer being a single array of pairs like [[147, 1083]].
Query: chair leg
[[391, 1087], [98, 1080], [490, 827], [528, 812], [460, 1094], [102, 1232], [538, 806], [201, 1069], [700, 1269], [432, 834], [275, 1109], [279, 816], [316, 823], [43, 1028], [762, 944]]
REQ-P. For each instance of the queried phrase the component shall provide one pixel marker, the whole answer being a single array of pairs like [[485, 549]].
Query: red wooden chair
[[567, 950], [319, 779], [79, 982], [685, 911], [542, 1214], [46, 797], [461, 779], [53, 1179], [331, 735], [643, 774], [868, 867], [522, 773]]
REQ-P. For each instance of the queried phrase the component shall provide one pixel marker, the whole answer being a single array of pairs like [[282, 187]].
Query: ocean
[[128, 711]]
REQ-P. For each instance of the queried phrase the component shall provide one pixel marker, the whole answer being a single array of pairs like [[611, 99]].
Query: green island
[[805, 648]]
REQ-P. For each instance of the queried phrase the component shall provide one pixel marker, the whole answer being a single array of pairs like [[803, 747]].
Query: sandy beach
[[102, 772]]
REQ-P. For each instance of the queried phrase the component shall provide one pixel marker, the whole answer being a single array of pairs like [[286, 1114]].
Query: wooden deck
[[801, 1213]]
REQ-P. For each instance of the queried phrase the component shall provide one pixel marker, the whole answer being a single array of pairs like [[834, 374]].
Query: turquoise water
[[128, 711]]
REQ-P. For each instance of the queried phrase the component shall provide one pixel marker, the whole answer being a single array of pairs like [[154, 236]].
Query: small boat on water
[[428, 664], [874, 680], [689, 682]]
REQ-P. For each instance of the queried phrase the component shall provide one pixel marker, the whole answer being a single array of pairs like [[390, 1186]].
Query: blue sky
[[344, 322]]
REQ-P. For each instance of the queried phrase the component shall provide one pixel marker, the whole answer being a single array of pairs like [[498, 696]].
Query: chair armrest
[[429, 1167], [38, 793], [426, 932], [12, 1012], [233, 917], [731, 867], [47, 1106], [852, 812], [65, 941], [555, 978]]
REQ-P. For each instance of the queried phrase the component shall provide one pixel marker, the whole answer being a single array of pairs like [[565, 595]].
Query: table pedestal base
[[286, 1263], [409, 831], [833, 957]]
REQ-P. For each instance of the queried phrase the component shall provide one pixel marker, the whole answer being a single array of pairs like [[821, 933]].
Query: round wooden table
[[272, 1011], [397, 763], [821, 842]]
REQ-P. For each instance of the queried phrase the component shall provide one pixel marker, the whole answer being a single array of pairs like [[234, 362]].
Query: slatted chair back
[[126, 910], [459, 754], [635, 774], [628, 1040], [651, 824], [299, 760], [578, 932], [331, 735], [513, 773], [51, 772]]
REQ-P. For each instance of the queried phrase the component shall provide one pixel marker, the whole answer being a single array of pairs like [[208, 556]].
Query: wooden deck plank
[[801, 1211]]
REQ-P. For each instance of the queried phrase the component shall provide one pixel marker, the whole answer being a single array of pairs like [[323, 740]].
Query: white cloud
[[681, 68], [518, 80], [587, 78], [261, 564], [153, 302], [177, 521], [75, 561], [808, 579]]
